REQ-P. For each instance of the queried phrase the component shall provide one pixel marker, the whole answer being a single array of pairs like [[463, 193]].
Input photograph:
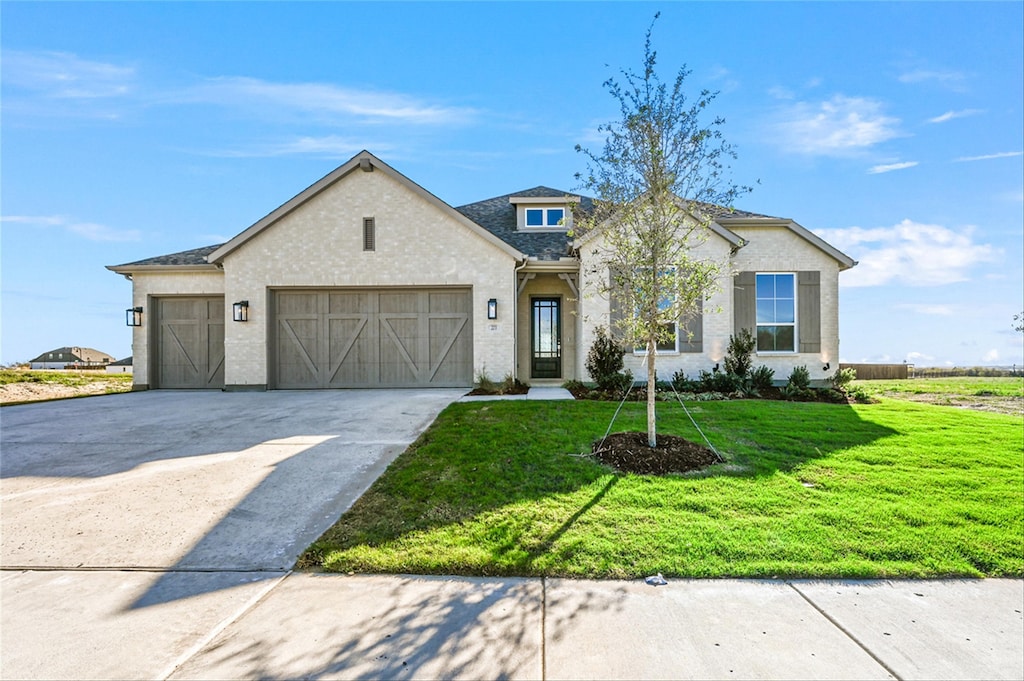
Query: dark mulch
[[629, 453]]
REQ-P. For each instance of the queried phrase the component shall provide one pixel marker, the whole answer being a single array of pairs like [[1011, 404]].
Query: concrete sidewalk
[[302, 625]]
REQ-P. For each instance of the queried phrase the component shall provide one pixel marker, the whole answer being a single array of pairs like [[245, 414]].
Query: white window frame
[[795, 323], [546, 221]]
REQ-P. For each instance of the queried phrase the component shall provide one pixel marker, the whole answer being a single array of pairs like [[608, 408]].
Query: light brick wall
[[717, 316], [320, 244], [769, 249], [149, 285], [777, 249]]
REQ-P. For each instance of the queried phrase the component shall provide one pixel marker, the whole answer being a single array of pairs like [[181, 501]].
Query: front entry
[[546, 334]]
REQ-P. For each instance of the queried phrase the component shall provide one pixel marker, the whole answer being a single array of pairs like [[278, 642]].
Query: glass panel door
[[546, 334]]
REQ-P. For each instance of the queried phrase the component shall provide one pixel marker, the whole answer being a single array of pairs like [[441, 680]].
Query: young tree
[[659, 181]]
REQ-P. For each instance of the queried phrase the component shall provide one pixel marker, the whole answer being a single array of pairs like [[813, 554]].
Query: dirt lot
[[31, 386]]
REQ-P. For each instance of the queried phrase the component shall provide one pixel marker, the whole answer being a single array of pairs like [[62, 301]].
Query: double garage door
[[361, 338]]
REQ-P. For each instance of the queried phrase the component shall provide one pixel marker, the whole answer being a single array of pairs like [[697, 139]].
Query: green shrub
[[604, 361], [484, 382], [843, 378], [799, 378], [682, 384], [738, 360], [761, 378], [716, 381]]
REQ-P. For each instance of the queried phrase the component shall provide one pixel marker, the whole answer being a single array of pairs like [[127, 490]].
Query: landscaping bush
[[684, 385], [761, 378], [716, 381], [843, 378], [738, 360], [800, 378], [604, 363]]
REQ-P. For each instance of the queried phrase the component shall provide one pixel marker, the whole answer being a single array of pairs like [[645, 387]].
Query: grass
[[959, 386], [66, 378], [894, 489]]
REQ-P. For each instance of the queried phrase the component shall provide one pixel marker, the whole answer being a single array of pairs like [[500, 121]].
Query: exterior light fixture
[[133, 316], [492, 308], [826, 367], [240, 311], [716, 367]]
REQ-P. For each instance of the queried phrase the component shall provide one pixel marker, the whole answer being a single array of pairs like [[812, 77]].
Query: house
[[366, 279], [71, 358], [121, 366]]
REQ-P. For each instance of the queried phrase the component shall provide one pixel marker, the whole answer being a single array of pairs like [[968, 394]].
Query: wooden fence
[[877, 372]]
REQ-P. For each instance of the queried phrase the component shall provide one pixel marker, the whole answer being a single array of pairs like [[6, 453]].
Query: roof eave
[[845, 261], [134, 269]]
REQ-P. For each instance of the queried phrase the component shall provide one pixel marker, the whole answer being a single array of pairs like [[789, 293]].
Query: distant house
[[121, 366], [71, 358]]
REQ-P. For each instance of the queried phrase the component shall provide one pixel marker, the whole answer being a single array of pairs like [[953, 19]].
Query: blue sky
[[895, 131]]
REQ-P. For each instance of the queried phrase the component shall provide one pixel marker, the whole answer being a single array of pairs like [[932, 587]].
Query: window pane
[[766, 339], [555, 216], [766, 286], [534, 217], [783, 285], [784, 339], [669, 345], [765, 311], [784, 311]]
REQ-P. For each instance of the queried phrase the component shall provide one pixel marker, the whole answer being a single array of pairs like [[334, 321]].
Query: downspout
[[515, 316]]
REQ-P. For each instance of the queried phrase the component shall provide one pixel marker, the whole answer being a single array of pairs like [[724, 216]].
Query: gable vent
[[369, 234]]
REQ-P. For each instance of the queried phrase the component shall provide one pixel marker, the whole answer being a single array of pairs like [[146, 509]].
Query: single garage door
[[364, 338], [189, 343]]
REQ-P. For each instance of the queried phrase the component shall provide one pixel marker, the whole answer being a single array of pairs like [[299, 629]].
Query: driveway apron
[[138, 522]]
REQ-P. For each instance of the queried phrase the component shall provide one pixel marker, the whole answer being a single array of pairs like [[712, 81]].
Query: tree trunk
[[652, 435]]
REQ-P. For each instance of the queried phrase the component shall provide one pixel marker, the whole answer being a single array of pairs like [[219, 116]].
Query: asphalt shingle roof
[[498, 217], [196, 256]]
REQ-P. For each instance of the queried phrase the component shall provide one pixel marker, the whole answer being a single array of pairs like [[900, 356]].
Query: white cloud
[[838, 126], [988, 157], [991, 356], [889, 167], [325, 100], [330, 146], [923, 308], [66, 76], [909, 253], [87, 230], [914, 357], [950, 115], [950, 79], [779, 92]]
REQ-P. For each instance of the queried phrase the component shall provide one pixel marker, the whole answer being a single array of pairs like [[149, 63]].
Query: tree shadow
[[364, 627]]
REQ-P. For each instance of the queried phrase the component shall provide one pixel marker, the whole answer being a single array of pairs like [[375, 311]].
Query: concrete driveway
[[133, 524]]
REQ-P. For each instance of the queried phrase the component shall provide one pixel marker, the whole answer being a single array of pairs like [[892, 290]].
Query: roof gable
[[845, 261], [364, 161]]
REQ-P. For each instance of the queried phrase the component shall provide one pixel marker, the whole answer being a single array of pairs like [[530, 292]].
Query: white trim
[[795, 323]]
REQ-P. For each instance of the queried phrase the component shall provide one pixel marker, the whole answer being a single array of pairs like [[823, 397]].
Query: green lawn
[[957, 386], [894, 489]]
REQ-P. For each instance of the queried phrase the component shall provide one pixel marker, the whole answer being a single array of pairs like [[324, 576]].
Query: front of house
[[365, 279]]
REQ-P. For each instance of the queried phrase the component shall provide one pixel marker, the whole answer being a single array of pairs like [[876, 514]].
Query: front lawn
[[809, 490]]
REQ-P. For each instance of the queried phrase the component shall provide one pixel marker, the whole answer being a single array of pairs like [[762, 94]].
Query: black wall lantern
[[492, 308], [133, 316], [827, 366], [240, 311]]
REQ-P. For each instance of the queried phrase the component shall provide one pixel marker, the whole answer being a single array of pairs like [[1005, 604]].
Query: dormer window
[[543, 213], [545, 217]]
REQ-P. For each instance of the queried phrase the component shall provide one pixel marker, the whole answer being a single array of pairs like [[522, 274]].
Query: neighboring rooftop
[[75, 354]]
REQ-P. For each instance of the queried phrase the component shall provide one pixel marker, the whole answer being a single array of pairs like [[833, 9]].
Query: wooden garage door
[[189, 343], [362, 338]]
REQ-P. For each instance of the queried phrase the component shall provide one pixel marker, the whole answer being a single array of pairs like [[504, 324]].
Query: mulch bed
[[629, 453]]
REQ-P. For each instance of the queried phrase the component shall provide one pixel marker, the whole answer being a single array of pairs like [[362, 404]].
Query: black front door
[[546, 335]]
